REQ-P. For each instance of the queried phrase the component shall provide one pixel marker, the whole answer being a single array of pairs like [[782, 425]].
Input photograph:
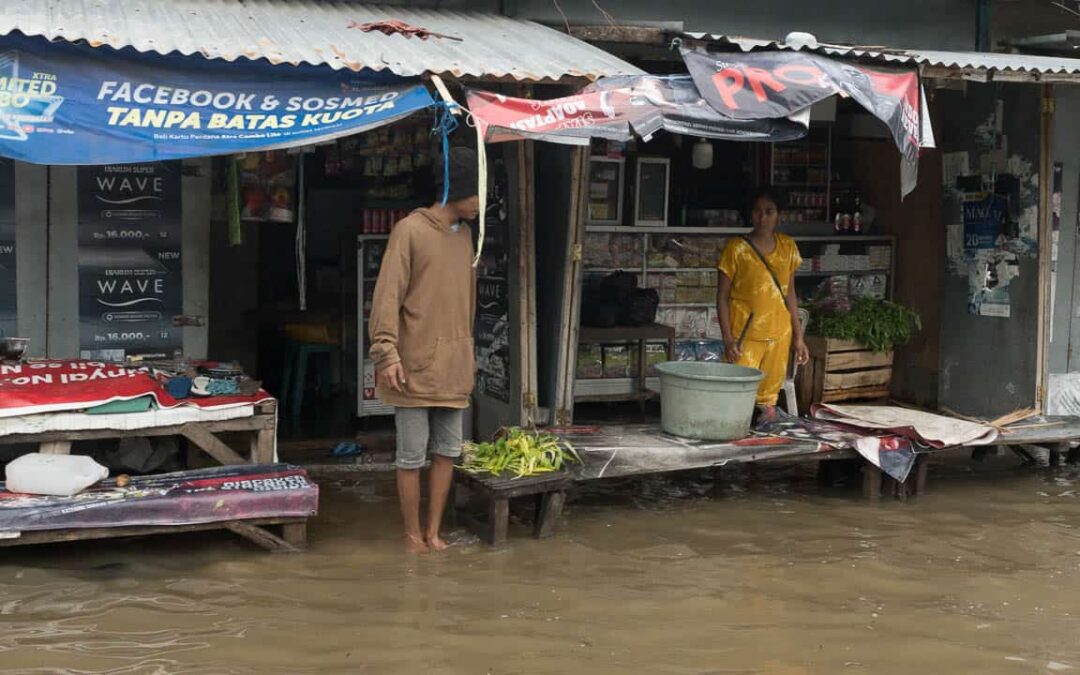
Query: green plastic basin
[[707, 400]]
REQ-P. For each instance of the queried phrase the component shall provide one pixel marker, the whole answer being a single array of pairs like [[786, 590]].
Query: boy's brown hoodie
[[422, 313]]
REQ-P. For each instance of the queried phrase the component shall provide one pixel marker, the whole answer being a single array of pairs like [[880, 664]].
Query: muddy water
[[647, 576]]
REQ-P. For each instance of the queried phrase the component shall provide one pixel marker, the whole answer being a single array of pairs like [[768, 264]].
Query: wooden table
[[260, 429], [549, 490], [639, 334]]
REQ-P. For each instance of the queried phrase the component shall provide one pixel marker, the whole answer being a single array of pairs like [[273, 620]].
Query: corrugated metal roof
[[990, 65], [318, 33]]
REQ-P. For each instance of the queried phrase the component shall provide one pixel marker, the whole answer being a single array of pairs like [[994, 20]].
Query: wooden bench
[[549, 490]]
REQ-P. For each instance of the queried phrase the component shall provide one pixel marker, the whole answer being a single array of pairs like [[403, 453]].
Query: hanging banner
[[770, 84], [130, 285], [615, 108], [62, 103], [59, 385]]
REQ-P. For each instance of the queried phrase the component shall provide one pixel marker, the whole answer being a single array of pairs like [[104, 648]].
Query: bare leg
[[408, 485], [439, 479]]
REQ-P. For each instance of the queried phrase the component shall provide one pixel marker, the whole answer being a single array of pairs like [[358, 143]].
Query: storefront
[[248, 240]]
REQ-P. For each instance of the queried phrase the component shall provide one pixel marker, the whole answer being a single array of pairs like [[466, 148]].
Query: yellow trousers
[[771, 358]]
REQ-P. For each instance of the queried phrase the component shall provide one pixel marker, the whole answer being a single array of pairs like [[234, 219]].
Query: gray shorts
[[420, 430]]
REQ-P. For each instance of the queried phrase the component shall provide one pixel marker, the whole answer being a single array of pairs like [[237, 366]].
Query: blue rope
[[445, 123]]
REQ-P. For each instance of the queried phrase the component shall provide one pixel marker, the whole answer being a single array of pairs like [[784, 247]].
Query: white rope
[[481, 163]]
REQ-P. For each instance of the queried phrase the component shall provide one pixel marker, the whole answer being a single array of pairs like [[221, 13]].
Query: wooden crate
[[842, 370]]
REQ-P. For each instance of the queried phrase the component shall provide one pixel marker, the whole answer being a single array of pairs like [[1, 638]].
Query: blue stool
[[294, 377]]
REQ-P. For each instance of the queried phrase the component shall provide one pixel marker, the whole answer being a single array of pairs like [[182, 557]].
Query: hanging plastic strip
[[448, 106]]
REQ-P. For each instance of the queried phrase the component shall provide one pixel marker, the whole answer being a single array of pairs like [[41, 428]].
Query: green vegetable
[[520, 452], [879, 324]]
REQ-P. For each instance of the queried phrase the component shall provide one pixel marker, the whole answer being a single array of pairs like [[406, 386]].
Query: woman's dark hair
[[765, 193]]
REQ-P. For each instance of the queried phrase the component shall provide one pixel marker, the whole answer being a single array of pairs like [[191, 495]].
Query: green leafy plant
[[520, 452], [879, 324]]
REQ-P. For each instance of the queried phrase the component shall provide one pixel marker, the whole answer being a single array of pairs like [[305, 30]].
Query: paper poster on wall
[[492, 330], [129, 260], [9, 325], [991, 265]]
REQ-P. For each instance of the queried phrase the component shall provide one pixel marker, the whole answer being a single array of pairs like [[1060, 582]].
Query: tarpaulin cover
[[617, 107], [53, 385], [62, 103], [893, 454], [211, 495]]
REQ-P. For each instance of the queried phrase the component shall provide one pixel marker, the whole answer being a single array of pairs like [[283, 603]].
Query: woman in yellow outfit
[[756, 301]]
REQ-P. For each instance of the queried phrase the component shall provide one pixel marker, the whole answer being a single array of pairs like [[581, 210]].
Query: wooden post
[[1073, 457], [920, 471], [551, 506], [295, 534], [1058, 453], [498, 520], [211, 444], [871, 486]]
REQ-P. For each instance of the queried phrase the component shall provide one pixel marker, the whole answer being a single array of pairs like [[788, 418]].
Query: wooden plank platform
[[260, 430], [291, 539], [615, 451], [549, 490]]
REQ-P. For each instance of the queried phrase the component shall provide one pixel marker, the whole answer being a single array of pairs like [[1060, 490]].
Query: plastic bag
[[59, 475]]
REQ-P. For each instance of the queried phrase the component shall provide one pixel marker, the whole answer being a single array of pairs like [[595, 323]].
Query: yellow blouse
[[753, 289]]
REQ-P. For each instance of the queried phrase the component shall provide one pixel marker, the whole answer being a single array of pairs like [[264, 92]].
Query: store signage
[[130, 283], [769, 84], [617, 107], [62, 103]]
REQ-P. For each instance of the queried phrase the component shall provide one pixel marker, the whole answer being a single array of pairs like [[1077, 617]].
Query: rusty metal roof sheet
[[973, 65], [319, 33]]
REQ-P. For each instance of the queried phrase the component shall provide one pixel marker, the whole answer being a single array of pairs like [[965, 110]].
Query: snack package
[[655, 354], [590, 362], [616, 361]]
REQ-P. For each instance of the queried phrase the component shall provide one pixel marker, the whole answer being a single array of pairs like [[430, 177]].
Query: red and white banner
[[66, 385]]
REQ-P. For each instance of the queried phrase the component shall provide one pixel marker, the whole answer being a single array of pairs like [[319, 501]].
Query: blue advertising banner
[[62, 103]]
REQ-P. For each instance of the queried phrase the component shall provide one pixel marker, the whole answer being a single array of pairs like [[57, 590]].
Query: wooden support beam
[[872, 475], [211, 444], [295, 534], [262, 537], [551, 506], [498, 526], [919, 473], [55, 448]]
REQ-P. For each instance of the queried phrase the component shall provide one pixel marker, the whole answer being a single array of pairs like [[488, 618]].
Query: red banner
[[764, 84], [617, 107], [59, 385]]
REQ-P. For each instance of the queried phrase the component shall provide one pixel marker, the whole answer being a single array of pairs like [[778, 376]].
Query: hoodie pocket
[[449, 371]]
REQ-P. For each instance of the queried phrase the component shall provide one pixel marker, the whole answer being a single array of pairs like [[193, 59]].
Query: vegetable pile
[[520, 452], [878, 324]]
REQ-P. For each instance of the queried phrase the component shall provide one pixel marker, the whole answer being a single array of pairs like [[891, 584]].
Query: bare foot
[[435, 542], [415, 544]]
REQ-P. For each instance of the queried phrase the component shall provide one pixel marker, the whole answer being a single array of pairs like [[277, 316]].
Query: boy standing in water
[[421, 343]]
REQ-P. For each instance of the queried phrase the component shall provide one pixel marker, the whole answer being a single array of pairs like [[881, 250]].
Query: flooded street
[[661, 575]]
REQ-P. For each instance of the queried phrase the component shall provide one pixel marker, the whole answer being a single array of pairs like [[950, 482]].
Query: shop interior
[[663, 210]]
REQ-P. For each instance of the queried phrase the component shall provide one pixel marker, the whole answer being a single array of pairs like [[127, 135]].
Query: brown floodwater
[[656, 575]]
